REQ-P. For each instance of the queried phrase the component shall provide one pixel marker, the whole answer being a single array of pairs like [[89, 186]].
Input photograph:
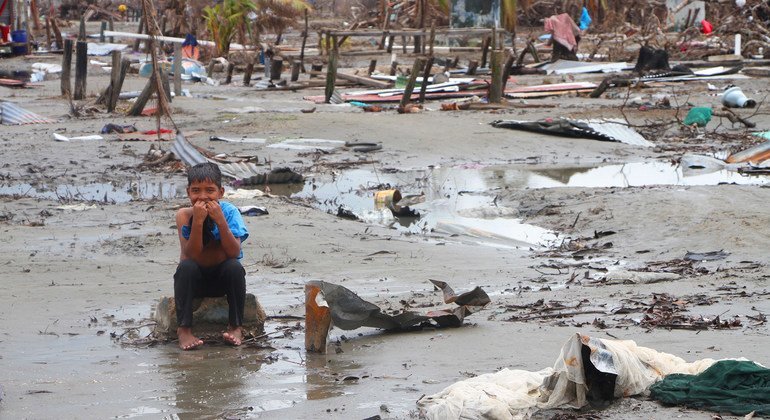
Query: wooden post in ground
[[141, 101], [112, 28], [118, 85], [507, 69], [166, 88], [66, 68], [249, 69], [229, 77], [418, 63], [102, 28], [81, 70], [47, 33], [495, 87], [315, 68], [425, 77], [276, 67], [485, 51], [372, 67], [138, 31], [210, 70], [82, 31], [390, 43], [57, 34], [393, 67], [296, 67], [302, 50], [177, 68], [331, 72], [33, 10], [385, 23], [432, 39], [472, 66]]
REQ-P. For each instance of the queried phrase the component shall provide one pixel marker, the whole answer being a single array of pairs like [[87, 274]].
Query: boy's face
[[204, 191]]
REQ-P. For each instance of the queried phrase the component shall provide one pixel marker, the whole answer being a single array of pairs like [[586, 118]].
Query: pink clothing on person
[[562, 29]]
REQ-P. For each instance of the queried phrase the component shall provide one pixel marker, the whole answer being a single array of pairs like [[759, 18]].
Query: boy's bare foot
[[187, 341], [233, 335]]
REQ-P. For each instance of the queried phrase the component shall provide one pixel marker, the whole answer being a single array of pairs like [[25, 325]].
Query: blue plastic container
[[19, 39]]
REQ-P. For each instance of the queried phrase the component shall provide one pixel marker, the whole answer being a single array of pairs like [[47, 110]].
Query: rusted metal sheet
[[12, 114]]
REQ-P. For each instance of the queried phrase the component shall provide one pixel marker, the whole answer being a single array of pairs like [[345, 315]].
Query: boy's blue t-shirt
[[234, 221]]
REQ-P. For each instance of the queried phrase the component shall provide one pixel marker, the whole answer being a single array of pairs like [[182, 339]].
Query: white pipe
[[166, 39], [737, 44]]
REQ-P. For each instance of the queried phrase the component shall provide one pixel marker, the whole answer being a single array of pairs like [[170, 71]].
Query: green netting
[[700, 116], [733, 386]]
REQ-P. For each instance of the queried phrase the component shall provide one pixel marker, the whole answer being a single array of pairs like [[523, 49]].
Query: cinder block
[[209, 316]]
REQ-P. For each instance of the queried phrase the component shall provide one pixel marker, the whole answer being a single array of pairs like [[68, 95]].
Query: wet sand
[[86, 262]]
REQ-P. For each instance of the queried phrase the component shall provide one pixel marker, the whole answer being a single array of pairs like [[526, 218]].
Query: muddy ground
[[89, 246]]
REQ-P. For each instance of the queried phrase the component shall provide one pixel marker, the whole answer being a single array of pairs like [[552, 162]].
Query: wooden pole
[[81, 69], [425, 77], [485, 51], [102, 28], [116, 88], [229, 77], [393, 67], [390, 43], [495, 87], [249, 70], [315, 68], [296, 67], [66, 68], [139, 31], [432, 37], [385, 23], [418, 63], [57, 34], [507, 70], [112, 28], [372, 67], [141, 101], [276, 67], [82, 31], [35, 17], [177, 69], [302, 50], [166, 87], [47, 33], [472, 66], [331, 72]]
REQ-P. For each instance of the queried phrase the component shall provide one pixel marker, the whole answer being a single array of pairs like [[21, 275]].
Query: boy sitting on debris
[[210, 237]]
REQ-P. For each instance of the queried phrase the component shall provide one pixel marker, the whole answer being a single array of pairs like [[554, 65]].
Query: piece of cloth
[[585, 19], [234, 221], [584, 362], [193, 281], [563, 30], [734, 386]]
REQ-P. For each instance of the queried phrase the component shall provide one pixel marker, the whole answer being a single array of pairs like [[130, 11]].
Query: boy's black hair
[[205, 171]]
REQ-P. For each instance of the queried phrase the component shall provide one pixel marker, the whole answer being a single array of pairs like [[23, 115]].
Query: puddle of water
[[461, 200], [103, 192], [456, 203]]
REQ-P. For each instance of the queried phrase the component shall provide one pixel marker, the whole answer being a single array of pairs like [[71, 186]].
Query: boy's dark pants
[[193, 281]]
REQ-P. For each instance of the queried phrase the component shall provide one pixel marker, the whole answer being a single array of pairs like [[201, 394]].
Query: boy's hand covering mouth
[[215, 212], [200, 210]]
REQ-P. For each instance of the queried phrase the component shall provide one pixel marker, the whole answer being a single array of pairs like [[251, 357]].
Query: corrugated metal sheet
[[186, 152], [191, 156], [605, 130], [12, 114], [620, 131]]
